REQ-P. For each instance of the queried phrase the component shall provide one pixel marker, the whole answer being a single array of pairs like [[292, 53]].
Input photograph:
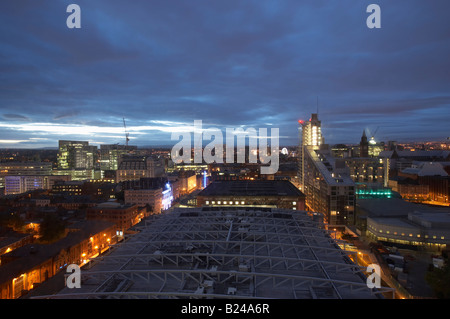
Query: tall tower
[[364, 146], [310, 134]]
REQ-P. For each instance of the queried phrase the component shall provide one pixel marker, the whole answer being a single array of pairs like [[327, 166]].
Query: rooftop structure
[[274, 193], [220, 253]]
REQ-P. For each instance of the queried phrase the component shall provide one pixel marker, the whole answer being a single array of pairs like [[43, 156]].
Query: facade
[[156, 192], [276, 194], [24, 183], [24, 168], [368, 170], [429, 230], [24, 268], [327, 187], [364, 146], [76, 155], [124, 216], [310, 134], [110, 155], [136, 167]]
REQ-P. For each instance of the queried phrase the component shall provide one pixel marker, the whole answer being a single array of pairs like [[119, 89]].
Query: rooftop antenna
[[126, 133]]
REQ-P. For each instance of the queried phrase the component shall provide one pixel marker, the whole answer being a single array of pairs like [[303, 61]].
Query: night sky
[[231, 63]]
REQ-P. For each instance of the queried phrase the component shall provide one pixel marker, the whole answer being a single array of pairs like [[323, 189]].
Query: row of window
[[409, 234]]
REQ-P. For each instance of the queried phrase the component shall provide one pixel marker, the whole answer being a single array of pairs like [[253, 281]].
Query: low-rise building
[[276, 194], [123, 215], [26, 267]]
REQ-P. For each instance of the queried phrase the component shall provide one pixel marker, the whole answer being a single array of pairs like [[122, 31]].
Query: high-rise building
[[76, 155], [328, 188], [110, 155], [310, 134], [324, 180]]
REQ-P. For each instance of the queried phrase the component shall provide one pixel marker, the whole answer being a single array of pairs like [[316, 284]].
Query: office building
[[155, 192], [110, 155], [328, 187], [76, 155], [136, 167], [310, 134], [24, 183], [24, 168]]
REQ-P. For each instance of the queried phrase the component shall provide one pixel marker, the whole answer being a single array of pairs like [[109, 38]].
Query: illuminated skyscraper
[[310, 134], [76, 155]]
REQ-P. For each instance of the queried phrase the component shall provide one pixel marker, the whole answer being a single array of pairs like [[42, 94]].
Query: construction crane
[[126, 133]]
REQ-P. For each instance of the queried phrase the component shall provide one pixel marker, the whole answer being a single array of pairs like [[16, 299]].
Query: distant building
[[76, 155], [431, 175], [136, 167], [399, 160], [276, 194], [110, 155], [156, 192], [24, 168], [368, 170], [364, 146], [123, 215], [24, 183], [97, 189]]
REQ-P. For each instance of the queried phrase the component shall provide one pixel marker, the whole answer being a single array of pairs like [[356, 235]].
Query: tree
[[51, 228]]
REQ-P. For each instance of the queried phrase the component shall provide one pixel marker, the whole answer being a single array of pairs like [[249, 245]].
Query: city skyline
[[256, 64]]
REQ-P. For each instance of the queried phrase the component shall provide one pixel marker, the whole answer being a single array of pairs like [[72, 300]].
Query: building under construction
[[226, 252]]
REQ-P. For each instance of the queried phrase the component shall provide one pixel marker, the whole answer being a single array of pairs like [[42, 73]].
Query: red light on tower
[[301, 122]]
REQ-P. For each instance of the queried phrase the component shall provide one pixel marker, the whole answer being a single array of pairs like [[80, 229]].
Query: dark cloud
[[231, 62], [16, 117]]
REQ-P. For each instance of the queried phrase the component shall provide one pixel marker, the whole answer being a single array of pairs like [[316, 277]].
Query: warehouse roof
[[234, 253]]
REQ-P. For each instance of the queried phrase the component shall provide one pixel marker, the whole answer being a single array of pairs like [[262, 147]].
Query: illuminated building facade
[[22, 269], [24, 168], [25, 183], [110, 155], [310, 134], [76, 155], [156, 192]]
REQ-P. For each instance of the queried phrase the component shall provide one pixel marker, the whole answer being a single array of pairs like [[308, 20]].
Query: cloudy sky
[[162, 64]]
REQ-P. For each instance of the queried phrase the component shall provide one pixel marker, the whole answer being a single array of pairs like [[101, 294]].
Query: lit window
[[242, 203], [207, 202], [219, 202]]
